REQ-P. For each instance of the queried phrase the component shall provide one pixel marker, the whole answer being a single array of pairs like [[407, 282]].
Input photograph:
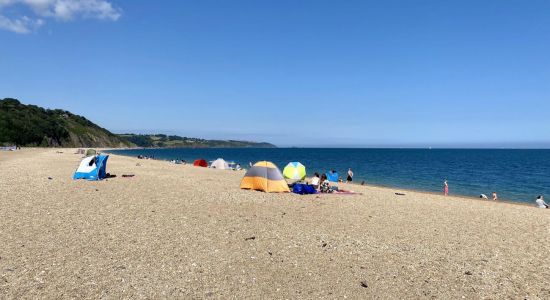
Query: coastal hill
[[34, 126], [175, 141], [31, 125]]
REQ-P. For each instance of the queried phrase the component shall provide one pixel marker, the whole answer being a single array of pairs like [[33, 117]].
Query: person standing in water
[[350, 176], [445, 188], [495, 196]]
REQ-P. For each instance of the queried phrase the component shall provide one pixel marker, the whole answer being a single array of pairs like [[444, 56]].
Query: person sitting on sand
[[540, 202], [483, 196], [495, 196], [324, 186], [315, 180]]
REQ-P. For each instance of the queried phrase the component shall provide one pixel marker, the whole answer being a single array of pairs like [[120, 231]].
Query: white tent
[[220, 164]]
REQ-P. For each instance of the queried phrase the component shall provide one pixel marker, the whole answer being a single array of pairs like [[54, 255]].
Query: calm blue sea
[[518, 175]]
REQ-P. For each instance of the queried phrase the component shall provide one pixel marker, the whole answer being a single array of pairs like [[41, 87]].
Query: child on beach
[[445, 188], [540, 202], [324, 187], [495, 197]]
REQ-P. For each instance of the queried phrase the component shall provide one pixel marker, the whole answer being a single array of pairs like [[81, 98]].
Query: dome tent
[[220, 164], [91, 152], [200, 163], [264, 176]]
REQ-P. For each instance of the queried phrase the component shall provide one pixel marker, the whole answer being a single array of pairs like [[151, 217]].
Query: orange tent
[[200, 163], [264, 176]]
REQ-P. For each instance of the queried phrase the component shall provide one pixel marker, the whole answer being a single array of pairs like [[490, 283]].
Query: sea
[[516, 175]]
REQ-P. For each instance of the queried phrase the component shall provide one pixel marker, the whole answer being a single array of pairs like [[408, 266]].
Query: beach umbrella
[[295, 171], [264, 176]]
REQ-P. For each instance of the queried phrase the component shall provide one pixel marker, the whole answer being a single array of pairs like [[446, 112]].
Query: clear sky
[[295, 73]]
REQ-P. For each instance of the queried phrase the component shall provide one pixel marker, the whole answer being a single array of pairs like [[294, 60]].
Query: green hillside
[[34, 126], [30, 125], [174, 141]]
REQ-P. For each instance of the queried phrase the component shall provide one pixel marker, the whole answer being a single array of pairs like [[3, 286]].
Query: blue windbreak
[[101, 164]]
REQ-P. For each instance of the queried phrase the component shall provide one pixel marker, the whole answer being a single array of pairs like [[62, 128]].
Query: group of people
[[323, 185], [145, 157], [540, 199], [179, 161], [494, 196]]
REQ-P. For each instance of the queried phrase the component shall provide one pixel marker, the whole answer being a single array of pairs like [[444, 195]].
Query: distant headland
[[34, 126]]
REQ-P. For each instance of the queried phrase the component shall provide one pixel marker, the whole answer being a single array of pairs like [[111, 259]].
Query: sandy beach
[[175, 231]]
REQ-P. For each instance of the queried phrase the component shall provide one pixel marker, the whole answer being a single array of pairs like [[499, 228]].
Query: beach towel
[[342, 192]]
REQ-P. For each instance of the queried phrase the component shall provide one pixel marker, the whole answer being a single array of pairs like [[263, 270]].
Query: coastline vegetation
[[176, 141], [34, 126]]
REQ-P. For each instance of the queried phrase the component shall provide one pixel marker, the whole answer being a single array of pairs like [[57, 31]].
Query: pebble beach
[[178, 231]]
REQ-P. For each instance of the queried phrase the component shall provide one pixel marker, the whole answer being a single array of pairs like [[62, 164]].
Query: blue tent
[[333, 177], [92, 168]]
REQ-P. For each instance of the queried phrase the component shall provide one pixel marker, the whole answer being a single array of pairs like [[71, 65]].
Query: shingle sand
[[176, 231]]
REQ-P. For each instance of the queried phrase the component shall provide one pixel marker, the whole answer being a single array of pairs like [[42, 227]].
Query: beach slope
[[175, 231]]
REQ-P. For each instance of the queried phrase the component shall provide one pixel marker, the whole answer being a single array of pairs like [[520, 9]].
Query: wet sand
[[176, 231]]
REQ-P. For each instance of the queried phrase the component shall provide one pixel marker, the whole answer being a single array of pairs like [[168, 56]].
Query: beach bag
[[298, 189], [303, 189], [309, 189]]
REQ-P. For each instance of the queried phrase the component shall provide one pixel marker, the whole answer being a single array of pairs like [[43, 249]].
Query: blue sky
[[295, 73]]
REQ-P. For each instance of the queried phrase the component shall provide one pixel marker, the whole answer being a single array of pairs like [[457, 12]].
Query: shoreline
[[387, 187], [377, 186], [460, 196], [384, 187]]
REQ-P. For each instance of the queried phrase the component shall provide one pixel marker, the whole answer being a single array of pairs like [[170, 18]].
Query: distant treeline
[[173, 141]]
